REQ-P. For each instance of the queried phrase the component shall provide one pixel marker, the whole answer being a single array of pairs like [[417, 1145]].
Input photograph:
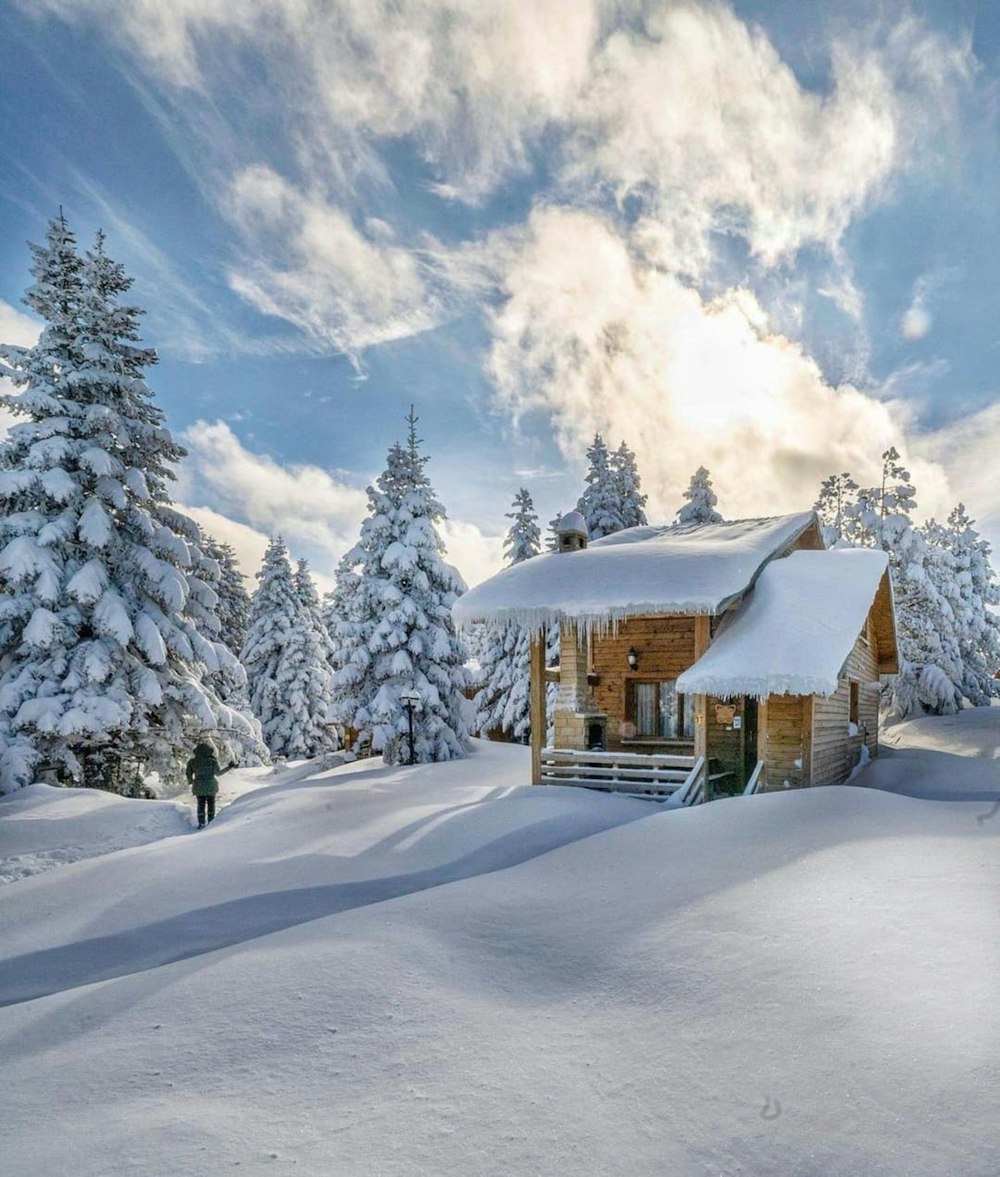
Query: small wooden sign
[[725, 712]]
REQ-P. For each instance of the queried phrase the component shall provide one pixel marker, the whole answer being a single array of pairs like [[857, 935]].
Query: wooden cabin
[[701, 660]]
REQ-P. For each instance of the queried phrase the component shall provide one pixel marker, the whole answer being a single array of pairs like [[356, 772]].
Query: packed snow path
[[795, 983], [291, 853]]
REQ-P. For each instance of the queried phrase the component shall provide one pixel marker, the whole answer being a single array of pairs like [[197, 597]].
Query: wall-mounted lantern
[[633, 659]]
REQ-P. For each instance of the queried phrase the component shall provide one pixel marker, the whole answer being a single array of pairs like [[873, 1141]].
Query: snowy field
[[439, 971]]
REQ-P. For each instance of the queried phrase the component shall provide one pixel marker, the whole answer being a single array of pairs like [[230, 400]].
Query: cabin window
[[855, 695], [658, 712]]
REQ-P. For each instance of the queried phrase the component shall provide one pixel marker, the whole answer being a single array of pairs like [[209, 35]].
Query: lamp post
[[410, 699]]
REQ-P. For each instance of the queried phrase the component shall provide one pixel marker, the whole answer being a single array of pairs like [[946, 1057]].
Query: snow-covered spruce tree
[[106, 631], [399, 634], [234, 600], [631, 500], [311, 651], [503, 703], [286, 661], [701, 500], [973, 592], [600, 504], [930, 673], [836, 494]]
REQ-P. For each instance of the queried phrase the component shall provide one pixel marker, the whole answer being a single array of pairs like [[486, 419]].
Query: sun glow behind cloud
[[681, 172]]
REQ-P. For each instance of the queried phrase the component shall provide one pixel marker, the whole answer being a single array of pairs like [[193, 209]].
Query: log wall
[[665, 646]]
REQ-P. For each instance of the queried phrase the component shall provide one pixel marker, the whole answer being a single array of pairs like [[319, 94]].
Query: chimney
[[572, 532]]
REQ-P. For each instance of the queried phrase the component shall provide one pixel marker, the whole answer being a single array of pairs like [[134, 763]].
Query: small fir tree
[[631, 500], [701, 500], [600, 504], [836, 494], [399, 634], [286, 658]]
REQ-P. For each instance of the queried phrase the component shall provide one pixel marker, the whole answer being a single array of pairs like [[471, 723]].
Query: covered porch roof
[[687, 569], [798, 627]]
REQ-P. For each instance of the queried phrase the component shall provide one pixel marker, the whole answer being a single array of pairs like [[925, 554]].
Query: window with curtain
[[659, 712]]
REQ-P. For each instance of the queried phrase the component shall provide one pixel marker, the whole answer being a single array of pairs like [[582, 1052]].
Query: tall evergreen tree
[[631, 500], [399, 634], [107, 632], [504, 701], [230, 587], [973, 593], [930, 673], [600, 504], [701, 500]]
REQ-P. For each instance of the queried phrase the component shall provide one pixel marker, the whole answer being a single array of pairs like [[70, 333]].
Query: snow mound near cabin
[[42, 827], [793, 983], [947, 757]]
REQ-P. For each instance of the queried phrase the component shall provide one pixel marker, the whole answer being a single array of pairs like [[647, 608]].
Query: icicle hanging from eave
[[537, 619]]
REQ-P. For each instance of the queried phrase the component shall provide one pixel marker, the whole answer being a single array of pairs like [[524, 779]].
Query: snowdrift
[[437, 971]]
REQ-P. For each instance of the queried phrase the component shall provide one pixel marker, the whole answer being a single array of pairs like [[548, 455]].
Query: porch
[[677, 779]]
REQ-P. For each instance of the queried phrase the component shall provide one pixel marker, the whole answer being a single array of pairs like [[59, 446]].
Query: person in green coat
[[203, 774]]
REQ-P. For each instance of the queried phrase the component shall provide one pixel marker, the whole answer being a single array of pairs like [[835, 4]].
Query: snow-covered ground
[[440, 971]]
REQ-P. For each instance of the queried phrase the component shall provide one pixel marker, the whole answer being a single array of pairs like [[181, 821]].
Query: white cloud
[[968, 451], [313, 267], [916, 321], [601, 341], [681, 109], [317, 513], [243, 498], [475, 555]]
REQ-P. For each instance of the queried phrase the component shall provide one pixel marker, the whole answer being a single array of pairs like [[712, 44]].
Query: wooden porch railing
[[756, 781], [681, 779]]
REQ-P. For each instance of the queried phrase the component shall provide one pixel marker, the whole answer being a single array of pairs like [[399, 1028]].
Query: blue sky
[[757, 236]]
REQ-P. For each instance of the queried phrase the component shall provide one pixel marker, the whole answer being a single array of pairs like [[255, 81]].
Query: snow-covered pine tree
[[286, 659], [523, 539], [504, 701], [234, 600], [973, 593], [399, 634], [836, 494], [310, 653], [930, 673], [631, 500], [600, 503], [106, 637], [701, 500]]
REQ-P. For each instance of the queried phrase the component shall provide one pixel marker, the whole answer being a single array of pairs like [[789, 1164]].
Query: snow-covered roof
[[692, 568], [795, 632]]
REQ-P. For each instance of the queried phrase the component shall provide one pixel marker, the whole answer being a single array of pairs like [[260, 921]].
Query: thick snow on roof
[[680, 569], [794, 633]]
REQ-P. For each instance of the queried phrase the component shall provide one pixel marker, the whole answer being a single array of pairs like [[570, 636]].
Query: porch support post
[[539, 720], [702, 638]]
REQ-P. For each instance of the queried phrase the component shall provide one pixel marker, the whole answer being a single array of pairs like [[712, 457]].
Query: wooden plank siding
[[666, 647], [835, 751], [784, 741]]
